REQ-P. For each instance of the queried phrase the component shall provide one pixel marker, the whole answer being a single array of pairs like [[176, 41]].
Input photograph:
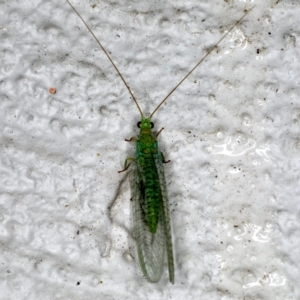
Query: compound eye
[[152, 124], [139, 124]]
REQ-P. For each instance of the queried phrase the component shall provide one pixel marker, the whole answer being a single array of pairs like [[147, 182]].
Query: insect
[[152, 227]]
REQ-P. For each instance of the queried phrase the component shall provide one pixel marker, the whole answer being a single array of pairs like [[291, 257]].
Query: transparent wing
[[166, 215], [150, 247]]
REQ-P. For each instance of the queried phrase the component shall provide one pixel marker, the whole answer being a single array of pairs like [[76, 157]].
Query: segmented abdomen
[[150, 189]]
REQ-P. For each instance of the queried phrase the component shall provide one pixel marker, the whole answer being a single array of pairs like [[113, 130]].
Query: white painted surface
[[231, 132]]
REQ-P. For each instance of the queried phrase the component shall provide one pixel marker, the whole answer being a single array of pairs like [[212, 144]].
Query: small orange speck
[[52, 90]]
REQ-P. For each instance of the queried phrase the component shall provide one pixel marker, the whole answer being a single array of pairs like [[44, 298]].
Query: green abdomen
[[149, 185]]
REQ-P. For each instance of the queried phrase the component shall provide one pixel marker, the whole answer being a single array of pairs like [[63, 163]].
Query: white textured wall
[[232, 133]]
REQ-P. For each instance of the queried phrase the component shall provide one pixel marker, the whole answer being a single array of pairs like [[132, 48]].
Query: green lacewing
[[151, 218]]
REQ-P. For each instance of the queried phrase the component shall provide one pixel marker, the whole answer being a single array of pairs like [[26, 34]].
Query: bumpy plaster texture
[[232, 133]]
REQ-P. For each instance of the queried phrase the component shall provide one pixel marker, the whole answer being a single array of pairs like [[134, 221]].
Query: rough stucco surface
[[231, 133]]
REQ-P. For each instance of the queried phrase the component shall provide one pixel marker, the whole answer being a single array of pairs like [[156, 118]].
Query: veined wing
[[166, 215], [150, 247]]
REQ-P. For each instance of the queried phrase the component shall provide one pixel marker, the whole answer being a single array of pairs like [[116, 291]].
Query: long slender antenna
[[201, 60], [90, 30]]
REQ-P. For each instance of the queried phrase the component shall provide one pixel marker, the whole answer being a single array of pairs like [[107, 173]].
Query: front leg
[[133, 139], [159, 131]]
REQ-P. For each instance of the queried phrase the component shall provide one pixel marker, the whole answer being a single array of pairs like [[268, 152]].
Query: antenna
[[200, 61], [180, 82], [90, 30]]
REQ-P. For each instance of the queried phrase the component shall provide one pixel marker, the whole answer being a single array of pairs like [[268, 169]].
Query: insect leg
[[160, 131], [126, 165], [163, 158], [133, 139]]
